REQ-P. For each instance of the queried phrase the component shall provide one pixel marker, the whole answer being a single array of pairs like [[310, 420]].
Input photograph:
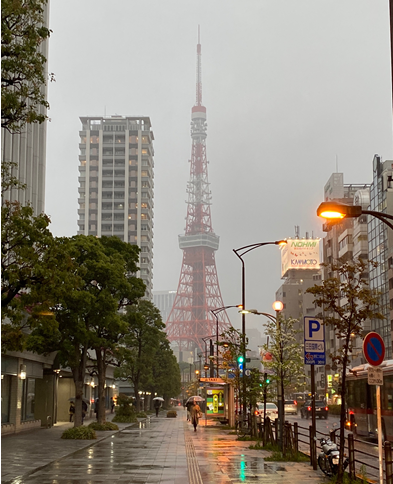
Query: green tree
[[87, 307], [287, 362], [118, 289], [347, 302], [139, 345], [165, 371], [23, 65], [32, 269]]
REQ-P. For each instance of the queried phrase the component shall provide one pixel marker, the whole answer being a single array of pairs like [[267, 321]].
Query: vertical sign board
[[314, 342], [374, 352]]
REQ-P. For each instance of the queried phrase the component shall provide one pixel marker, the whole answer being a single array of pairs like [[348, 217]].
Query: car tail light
[[295, 402], [326, 408], [256, 412], [309, 409]]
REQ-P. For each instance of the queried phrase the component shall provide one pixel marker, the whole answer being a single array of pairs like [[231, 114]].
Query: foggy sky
[[293, 91]]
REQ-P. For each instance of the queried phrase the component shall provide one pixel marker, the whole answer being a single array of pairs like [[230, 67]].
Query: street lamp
[[336, 211], [215, 313], [240, 253], [278, 306], [206, 366]]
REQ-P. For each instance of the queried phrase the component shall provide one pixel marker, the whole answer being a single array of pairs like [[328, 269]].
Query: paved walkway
[[161, 450]]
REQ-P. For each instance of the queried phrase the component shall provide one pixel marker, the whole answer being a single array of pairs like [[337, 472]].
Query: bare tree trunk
[[101, 369], [78, 373]]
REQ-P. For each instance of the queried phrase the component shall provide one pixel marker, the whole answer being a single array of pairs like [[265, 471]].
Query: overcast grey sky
[[292, 88]]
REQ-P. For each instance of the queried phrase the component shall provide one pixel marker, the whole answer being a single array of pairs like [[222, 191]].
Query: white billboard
[[300, 254]]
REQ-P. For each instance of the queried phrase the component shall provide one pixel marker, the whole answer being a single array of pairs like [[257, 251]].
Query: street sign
[[374, 349], [248, 372], [314, 342], [375, 376], [212, 380]]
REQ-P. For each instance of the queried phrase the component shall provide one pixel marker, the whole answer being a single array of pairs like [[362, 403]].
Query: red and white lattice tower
[[198, 292]]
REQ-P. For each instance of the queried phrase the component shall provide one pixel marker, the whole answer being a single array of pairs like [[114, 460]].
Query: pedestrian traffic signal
[[267, 381], [240, 361]]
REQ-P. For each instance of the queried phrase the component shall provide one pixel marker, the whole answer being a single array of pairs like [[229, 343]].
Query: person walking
[[189, 404], [84, 410], [112, 405], [157, 405], [71, 411], [195, 414]]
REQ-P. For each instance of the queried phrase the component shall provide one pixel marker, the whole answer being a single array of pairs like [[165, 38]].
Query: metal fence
[[363, 456]]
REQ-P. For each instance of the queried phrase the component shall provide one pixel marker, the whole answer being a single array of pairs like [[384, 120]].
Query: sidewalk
[[161, 450]]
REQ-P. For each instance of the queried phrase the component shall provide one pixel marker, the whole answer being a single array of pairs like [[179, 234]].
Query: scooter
[[328, 458]]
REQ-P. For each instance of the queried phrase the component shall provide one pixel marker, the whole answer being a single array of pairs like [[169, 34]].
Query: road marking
[[192, 463]]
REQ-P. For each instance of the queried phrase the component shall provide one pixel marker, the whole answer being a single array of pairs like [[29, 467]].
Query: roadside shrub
[[105, 426], [141, 415], [79, 433], [171, 414], [124, 406], [124, 418]]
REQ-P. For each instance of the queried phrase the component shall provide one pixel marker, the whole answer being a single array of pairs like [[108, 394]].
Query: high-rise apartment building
[[380, 240], [28, 150], [116, 183]]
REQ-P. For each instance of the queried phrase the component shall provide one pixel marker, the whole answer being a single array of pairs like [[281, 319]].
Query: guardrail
[[362, 464]]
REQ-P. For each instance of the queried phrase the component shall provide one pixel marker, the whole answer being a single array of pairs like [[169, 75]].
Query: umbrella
[[195, 398], [73, 399], [159, 398]]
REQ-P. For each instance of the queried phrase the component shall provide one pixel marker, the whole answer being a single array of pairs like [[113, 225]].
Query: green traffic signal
[[240, 359], [267, 380]]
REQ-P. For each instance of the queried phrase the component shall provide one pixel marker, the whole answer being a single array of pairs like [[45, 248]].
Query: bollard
[[351, 456], [296, 437], [314, 441], [388, 462], [311, 437], [48, 422]]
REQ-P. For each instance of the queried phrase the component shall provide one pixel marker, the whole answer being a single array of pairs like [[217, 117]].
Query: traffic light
[[267, 380], [240, 361]]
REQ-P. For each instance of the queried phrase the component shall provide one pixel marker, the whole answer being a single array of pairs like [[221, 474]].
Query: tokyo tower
[[198, 291]]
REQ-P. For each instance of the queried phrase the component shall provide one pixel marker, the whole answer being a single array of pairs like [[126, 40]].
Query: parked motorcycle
[[328, 458]]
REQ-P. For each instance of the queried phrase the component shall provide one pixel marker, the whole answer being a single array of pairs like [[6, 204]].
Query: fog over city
[[294, 91]]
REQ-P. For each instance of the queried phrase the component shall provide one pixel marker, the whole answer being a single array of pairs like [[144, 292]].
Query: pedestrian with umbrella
[[157, 404], [195, 414]]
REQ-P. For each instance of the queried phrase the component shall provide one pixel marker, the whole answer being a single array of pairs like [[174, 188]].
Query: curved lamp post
[[240, 253], [278, 307], [336, 211], [215, 313]]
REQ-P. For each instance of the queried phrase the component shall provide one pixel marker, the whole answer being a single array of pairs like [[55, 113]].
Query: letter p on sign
[[315, 330]]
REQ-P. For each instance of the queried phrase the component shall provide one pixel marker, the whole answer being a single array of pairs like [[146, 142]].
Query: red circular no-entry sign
[[374, 349]]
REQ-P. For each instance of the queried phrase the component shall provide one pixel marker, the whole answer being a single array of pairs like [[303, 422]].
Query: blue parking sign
[[314, 342]]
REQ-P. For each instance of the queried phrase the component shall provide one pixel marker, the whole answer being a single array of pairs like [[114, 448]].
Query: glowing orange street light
[[336, 211]]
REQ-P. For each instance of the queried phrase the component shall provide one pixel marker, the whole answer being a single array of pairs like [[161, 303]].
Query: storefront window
[[5, 398], [28, 399]]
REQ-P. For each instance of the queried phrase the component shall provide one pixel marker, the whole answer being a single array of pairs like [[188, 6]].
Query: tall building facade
[[380, 240], [163, 300], [28, 150], [116, 183], [344, 240]]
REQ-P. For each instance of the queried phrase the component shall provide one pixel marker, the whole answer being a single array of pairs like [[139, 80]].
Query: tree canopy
[[23, 64]]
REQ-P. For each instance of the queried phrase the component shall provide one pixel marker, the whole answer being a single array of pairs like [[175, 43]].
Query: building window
[[28, 399], [5, 398]]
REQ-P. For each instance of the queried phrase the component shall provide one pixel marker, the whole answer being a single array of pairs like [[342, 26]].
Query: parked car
[[271, 410], [321, 409], [290, 406]]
